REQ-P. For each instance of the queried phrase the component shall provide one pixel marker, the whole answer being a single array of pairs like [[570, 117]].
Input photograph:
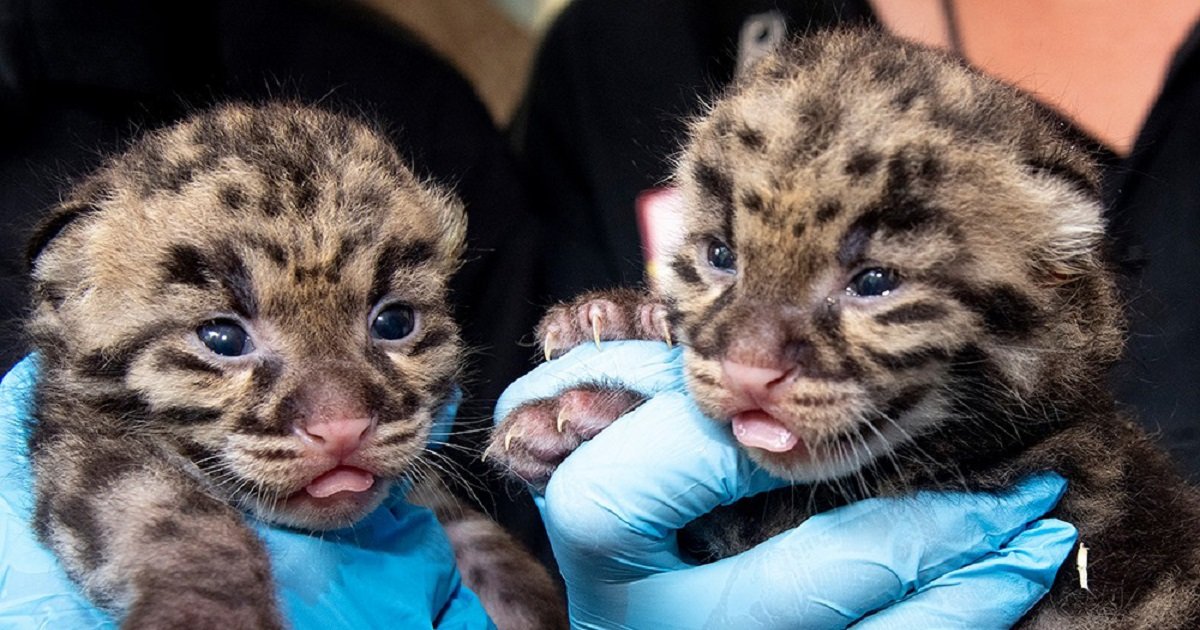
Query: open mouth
[[340, 479], [759, 429]]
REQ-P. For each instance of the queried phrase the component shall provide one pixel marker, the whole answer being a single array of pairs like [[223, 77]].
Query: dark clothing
[[1154, 205], [616, 80], [79, 78]]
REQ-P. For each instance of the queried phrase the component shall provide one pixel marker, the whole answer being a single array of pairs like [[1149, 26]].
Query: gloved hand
[[612, 509], [395, 569]]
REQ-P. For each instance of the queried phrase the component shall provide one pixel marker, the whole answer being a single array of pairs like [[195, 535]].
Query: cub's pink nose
[[754, 380], [338, 437]]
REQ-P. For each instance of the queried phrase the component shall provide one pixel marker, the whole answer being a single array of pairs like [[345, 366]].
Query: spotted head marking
[[883, 244], [262, 290]]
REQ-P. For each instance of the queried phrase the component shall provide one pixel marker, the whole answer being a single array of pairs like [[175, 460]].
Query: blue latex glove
[[934, 560], [393, 570]]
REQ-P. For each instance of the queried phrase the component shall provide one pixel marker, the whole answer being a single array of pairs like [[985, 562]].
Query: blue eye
[[225, 337], [394, 322], [874, 282], [720, 256]]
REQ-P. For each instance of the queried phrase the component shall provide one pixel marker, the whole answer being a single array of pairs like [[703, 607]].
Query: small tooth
[[595, 318], [562, 419], [548, 346]]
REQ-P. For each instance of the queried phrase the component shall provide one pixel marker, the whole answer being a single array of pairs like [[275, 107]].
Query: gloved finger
[[644, 366], [994, 592], [625, 493], [839, 565]]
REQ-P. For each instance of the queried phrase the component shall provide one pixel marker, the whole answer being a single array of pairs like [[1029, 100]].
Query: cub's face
[[263, 291], [882, 246]]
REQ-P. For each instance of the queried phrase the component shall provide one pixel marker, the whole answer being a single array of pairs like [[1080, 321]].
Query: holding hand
[[614, 507]]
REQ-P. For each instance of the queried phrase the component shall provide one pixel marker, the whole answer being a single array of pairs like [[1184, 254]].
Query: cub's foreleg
[[146, 540]]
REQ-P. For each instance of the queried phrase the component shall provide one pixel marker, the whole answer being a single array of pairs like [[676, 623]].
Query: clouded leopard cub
[[891, 278], [245, 313]]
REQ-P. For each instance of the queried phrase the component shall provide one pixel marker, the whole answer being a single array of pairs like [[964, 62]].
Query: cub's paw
[[536, 437], [603, 316]]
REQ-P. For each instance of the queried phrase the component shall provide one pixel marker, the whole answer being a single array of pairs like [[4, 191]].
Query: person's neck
[[1099, 62]]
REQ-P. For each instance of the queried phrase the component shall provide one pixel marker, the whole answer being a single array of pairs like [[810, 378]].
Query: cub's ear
[[449, 223], [53, 224], [1070, 243], [453, 219]]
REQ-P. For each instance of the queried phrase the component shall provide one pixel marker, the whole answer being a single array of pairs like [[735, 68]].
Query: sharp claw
[[483, 456], [508, 437], [548, 346], [562, 419], [666, 331], [595, 318]]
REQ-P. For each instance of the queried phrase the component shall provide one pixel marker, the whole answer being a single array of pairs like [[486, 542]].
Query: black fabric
[[616, 79], [79, 78], [1154, 200]]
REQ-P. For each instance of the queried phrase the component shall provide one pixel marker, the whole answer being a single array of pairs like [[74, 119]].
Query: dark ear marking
[[1062, 170], [53, 225]]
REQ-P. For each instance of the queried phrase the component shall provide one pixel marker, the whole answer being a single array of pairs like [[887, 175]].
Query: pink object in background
[[660, 225]]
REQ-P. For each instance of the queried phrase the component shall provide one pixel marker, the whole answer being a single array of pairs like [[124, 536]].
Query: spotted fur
[[148, 446], [985, 358]]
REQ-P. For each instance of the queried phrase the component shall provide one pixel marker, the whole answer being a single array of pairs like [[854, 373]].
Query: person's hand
[[613, 507], [395, 569]]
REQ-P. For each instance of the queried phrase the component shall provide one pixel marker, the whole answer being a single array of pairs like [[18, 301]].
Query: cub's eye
[[873, 282], [225, 337], [394, 322], [720, 256]]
